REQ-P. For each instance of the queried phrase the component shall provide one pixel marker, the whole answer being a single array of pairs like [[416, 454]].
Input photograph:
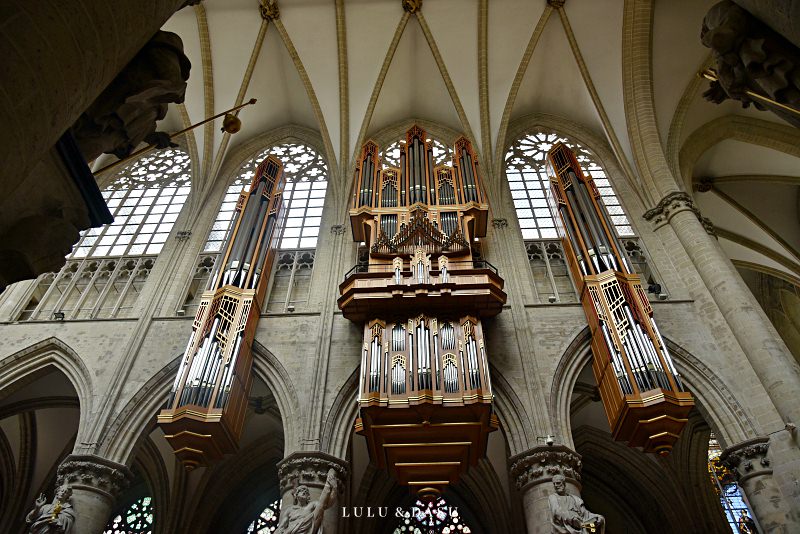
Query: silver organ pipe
[[619, 315]]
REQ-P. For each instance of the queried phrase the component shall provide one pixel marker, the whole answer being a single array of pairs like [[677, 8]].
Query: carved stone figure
[[305, 515], [569, 515], [751, 56], [54, 518], [125, 113]]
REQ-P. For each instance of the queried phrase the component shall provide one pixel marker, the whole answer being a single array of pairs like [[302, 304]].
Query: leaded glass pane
[[267, 520], [527, 158], [138, 518]]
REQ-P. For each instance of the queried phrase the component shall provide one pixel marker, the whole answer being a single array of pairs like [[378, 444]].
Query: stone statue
[[54, 518], [569, 515], [751, 56], [305, 515], [125, 113], [746, 525]]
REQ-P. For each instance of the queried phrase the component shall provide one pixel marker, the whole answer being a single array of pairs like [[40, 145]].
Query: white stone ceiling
[[320, 65]]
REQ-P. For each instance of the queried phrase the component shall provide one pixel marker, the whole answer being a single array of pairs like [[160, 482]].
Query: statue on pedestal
[[305, 516], [54, 518], [568, 513]]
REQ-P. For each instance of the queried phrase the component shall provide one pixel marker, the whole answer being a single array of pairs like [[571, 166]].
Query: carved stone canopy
[[310, 469], [751, 56], [539, 464], [748, 458], [95, 474]]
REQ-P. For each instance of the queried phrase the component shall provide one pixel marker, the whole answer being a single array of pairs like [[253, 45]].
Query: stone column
[[768, 355], [532, 472], [95, 484], [753, 469], [310, 469]]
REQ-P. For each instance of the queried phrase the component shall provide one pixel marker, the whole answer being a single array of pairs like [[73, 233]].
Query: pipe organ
[[425, 397], [204, 415], [641, 390]]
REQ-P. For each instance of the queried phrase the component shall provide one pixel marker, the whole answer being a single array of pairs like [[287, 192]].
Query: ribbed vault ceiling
[[349, 68]]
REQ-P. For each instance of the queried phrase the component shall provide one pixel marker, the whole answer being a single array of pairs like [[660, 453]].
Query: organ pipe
[[204, 414], [639, 385]]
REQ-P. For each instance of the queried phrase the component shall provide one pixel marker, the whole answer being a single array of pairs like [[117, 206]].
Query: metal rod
[[179, 132], [710, 74]]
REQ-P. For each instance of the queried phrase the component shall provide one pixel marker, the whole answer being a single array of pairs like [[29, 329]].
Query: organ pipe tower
[[425, 394], [641, 390], [204, 415]]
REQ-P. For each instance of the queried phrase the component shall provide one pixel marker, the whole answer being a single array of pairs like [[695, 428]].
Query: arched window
[[108, 266], [436, 517], [267, 520], [136, 518], [306, 184], [525, 164]]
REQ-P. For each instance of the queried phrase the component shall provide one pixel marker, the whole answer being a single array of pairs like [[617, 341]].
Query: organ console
[[640, 388], [425, 397], [204, 415]]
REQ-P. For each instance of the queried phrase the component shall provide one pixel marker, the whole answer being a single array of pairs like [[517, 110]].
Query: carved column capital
[[269, 10], [94, 473], [310, 469], [557, 4], [539, 464], [673, 204], [338, 229], [748, 458], [500, 223]]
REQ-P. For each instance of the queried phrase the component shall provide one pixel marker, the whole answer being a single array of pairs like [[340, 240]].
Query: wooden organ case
[[639, 386], [425, 397], [204, 416]]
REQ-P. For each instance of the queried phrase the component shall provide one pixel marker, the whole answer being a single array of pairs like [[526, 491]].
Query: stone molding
[[748, 459], [310, 469], [673, 204], [539, 464], [93, 473]]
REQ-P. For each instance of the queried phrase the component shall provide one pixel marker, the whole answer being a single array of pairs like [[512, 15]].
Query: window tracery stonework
[[137, 518], [267, 520], [435, 517]]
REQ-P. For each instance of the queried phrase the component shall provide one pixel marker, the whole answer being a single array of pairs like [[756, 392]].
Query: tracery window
[[304, 195], [736, 510], [145, 199], [267, 520], [527, 178], [137, 518], [436, 517], [108, 266], [525, 170]]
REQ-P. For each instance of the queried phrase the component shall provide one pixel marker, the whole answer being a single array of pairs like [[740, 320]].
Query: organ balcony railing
[[425, 397], [639, 385], [204, 415]]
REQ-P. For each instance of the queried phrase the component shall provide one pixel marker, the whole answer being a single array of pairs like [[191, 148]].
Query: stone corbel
[[748, 459], [310, 469], [673, 204], [95, 474], [538, 465]]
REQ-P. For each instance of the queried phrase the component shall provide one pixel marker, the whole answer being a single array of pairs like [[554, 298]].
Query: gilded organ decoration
[[424, 388], [204, 415], [641, 390]]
